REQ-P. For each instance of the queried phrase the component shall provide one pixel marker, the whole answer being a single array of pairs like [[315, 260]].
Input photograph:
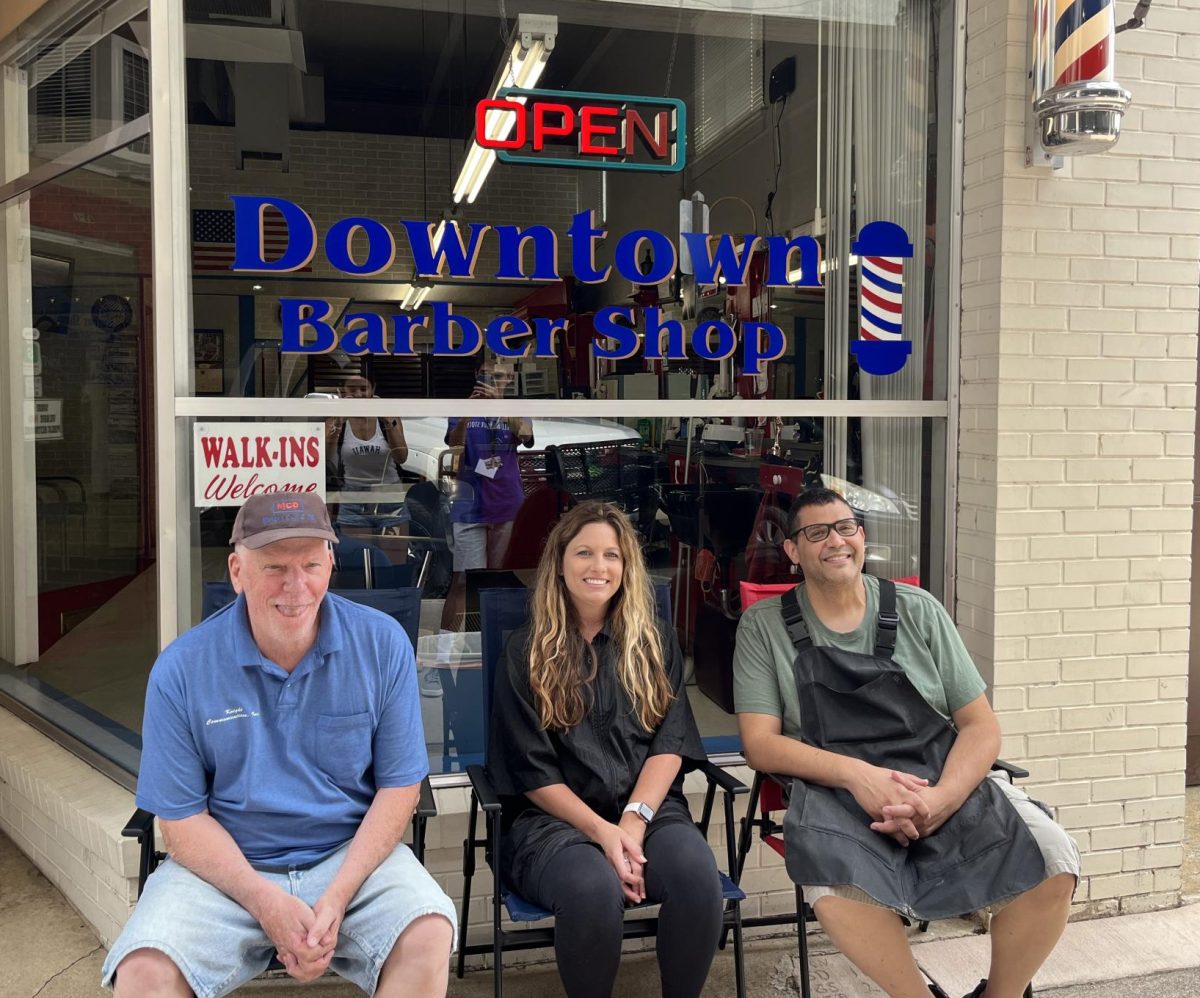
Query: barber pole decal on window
[[882, 248]]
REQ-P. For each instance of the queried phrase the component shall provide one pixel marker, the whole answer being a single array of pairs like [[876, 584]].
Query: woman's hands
[[622, 846]]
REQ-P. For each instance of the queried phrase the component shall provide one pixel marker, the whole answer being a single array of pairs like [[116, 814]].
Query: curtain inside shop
[[876, 136]]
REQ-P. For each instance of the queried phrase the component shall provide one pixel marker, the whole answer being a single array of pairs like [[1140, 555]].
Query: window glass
[[85, 467], [326, 179], [455, 506], [77, 85]]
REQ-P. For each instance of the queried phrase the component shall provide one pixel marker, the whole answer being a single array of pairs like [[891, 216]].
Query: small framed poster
[[210, 361]]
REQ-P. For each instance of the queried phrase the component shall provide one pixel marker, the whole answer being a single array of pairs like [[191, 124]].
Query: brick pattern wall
[[68, 818], [1077, 406]]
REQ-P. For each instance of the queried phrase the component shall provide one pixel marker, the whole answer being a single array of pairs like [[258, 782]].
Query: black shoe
[[980, 988], [937, 992]]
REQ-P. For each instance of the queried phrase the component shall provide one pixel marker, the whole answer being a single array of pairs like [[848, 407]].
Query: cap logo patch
[[286, 504]]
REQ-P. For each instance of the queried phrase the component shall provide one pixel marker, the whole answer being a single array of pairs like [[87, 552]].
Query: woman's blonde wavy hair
[[556, 645]]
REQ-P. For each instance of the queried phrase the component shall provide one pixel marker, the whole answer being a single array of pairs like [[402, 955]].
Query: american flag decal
[[212, 238], [882, 248]]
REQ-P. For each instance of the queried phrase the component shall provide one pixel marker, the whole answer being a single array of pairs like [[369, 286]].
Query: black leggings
[[580, 886]]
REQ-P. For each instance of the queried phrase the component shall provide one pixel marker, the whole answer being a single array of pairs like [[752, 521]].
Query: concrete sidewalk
[[50, 952]]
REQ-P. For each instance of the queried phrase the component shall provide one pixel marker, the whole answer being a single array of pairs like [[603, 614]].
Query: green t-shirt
[[928, 648]]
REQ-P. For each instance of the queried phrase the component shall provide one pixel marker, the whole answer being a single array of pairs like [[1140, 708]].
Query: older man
[[863, 690], [283, 753]]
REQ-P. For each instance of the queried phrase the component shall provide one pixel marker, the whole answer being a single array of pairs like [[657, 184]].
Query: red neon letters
[[595, 125]]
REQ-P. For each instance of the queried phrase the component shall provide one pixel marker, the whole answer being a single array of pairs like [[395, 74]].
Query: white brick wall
[[67, 818], [1078, 393]]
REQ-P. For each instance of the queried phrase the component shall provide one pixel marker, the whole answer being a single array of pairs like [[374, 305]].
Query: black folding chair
[[503, 611], [764, 813]]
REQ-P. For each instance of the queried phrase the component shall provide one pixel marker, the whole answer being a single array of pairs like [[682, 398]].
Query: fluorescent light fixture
[[415, 296], [795, 275], [531, 44]]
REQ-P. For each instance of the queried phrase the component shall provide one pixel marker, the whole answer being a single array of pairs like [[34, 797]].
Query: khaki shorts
[[1058, 849]]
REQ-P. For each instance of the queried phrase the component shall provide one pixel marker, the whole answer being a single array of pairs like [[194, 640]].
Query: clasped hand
[[304, 937], [622, 846], [903, 806]]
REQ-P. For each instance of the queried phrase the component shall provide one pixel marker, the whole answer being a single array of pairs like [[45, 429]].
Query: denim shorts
[[372, 514], [218, 946], [1058, 849]]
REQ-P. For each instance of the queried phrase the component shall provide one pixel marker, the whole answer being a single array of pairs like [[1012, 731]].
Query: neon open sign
[[597, 131]]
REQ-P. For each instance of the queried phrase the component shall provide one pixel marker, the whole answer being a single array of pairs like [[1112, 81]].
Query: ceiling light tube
[[531, 45]]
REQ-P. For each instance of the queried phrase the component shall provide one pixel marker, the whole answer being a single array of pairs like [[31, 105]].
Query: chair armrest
[[722, 778], [482, 786], [139, 826], [426, 806], [1014, 772]]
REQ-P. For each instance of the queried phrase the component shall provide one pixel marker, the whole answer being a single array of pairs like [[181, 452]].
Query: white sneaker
[[429, 682]]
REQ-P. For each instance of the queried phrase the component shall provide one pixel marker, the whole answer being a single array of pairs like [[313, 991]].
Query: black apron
[[865, 707]]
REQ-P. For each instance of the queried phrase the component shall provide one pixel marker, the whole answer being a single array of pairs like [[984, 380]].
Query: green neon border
[[506, 156]]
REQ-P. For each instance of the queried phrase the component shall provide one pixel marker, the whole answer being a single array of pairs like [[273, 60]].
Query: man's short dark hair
[[813, 497]]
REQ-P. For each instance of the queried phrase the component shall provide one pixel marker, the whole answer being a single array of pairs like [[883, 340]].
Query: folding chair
[[769, 796], [503, 612]]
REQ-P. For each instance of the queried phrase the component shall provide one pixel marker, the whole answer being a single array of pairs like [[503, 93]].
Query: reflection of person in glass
[[366, 453], [489, 491], [590, 727]]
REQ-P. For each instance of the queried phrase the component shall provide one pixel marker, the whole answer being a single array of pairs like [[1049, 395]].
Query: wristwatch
[[643, 811]]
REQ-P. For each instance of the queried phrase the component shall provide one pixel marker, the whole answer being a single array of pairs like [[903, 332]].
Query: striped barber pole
[[1077, 103], [882, 248], [1083, 40], [881, 291]]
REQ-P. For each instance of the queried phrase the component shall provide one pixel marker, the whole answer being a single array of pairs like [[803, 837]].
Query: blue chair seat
[[521, 910]]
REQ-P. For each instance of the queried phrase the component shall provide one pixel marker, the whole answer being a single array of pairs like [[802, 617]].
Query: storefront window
[[377, 215], [438, 516], [87, 460], [325, 183], [699, 255]]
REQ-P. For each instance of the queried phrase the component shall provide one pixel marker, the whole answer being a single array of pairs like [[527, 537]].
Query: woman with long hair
[[590, 728]]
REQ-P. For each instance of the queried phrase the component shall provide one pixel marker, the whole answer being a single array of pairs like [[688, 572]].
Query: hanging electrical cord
[[777, 144], [1139, 17], [674, 49]]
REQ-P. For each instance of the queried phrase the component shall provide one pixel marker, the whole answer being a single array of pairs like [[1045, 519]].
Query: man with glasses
[[863, 691]]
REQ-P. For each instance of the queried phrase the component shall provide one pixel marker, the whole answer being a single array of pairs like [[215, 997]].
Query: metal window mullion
[[274, 408], [172, 303], [954, 300], [18, 470]]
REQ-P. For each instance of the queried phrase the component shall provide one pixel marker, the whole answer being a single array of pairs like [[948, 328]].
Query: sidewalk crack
[[47, 982]]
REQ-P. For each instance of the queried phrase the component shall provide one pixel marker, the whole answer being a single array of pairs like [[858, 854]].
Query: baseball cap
[[277, 516]]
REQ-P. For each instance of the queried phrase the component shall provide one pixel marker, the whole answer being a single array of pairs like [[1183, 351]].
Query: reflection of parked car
[[426, 438]]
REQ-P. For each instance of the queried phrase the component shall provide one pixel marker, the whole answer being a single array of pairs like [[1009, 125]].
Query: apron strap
[[888, 621], [794, 619]]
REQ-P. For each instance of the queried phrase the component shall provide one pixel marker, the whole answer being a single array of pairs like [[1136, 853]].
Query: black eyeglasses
[[816, 532]]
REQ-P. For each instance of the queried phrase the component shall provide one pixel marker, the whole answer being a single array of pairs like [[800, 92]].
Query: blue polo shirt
[[287, 763]]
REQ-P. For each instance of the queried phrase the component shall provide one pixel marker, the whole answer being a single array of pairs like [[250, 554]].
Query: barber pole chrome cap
[[1081, 118], [1077, 102]]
